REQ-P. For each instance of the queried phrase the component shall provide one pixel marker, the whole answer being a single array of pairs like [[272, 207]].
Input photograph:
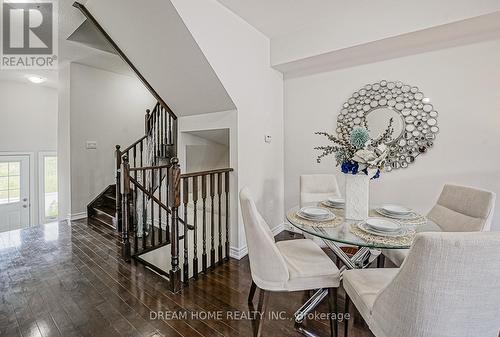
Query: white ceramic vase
[[357, 195]]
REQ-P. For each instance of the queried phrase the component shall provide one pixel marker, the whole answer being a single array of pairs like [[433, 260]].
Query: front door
[[14, 192]]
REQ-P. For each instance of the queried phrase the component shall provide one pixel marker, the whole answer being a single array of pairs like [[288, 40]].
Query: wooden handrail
[[150, 168], [149, 194], [204, 173], [92, 19], [134, 144], [155, 199]]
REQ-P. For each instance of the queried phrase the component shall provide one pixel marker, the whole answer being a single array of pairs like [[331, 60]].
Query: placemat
[[339, 220], [404, 240]]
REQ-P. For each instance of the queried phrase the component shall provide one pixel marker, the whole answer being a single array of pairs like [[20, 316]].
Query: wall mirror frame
[[414, 119]]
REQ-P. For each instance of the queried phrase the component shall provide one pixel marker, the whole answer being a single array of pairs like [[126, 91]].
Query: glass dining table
[[343, 232]]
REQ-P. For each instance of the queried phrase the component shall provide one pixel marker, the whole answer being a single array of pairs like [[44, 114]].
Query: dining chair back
[[463, 209], [268, 268], [447, 287], [317, 187]]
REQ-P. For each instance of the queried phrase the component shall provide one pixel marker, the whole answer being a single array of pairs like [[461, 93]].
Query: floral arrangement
[[359, 154]]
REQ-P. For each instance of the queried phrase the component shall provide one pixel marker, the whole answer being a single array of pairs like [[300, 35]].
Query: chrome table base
[[362, 259]]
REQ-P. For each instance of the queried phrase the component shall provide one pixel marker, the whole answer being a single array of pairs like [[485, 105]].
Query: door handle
[[25, 199], [25, 206]]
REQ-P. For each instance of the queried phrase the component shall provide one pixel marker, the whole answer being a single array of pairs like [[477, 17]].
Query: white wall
[[64, 141], [240, 55], [202, 154], [215, 121], [108, 108], [463, 84], [162, 48], [28, 123]]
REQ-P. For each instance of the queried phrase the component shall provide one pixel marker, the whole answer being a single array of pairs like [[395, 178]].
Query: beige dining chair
[[447, 287], [294, 265], [317, 187], [458, 209]]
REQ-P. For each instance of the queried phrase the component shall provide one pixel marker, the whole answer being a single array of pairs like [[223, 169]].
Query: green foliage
[[359, 137]]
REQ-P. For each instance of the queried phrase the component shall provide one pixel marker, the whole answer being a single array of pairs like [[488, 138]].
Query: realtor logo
[[29, 39]]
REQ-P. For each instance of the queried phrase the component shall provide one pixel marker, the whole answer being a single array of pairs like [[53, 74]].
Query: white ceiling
[[281, 17], [219, 136], [20, 76], [70, 19]]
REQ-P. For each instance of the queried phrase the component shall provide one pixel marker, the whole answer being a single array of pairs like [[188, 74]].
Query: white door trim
[[41, 181], [32, 192]]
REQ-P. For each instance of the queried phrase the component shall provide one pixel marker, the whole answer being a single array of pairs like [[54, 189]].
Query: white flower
[[371, 158]]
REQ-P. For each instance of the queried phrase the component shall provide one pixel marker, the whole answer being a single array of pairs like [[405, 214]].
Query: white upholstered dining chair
[[447, 287], [317, 187], [458, 209], [285, 266]]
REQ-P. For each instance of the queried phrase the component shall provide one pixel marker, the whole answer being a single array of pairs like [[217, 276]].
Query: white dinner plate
[[396, 209], [383, 225], [333, 200], [315, 214], [410, 216], [364, 227]]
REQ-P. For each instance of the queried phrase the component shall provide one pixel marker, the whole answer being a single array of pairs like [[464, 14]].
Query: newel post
[[118, 214], [146, 121], [125, 194], [174, 203]]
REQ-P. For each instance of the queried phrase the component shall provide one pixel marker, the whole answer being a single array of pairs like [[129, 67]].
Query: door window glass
[[50, 187], [10, 182]]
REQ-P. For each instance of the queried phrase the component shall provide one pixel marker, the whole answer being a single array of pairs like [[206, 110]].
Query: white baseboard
[[239, 253], [77, 216], [278, 229]]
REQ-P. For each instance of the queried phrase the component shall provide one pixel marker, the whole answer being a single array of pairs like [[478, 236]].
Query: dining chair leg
[[334, 323], [349, 323], [381, 261], [261, 311], [253, 287]]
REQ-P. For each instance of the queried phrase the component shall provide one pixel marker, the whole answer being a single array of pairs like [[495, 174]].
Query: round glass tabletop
[[346, 231]]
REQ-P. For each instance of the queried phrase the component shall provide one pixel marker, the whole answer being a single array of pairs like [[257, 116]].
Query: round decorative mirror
[[414, 119], [378, 119]]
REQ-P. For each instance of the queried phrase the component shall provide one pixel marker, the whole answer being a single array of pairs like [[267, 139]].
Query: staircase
[[102, 210], [176, 224]]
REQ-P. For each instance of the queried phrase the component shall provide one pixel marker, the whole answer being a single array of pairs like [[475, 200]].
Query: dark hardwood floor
[[61, 280]]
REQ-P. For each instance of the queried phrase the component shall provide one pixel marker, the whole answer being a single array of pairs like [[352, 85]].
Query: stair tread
[[102, 220], [106, 209], [110, 196], [165, 240]]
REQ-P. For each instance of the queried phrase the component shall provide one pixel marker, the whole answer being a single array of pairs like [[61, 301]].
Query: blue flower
[[377, 175], [350, 167], [345, 167], [355, 168]]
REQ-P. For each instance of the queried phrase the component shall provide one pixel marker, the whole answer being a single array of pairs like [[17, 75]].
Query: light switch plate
[[91, 145], [268, 138]]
